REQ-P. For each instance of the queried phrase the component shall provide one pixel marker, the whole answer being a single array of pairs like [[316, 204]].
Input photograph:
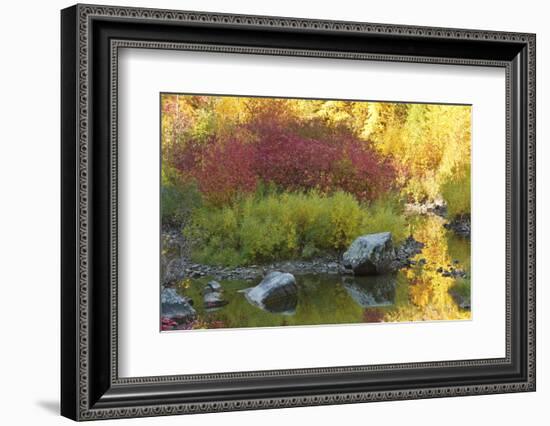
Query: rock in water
[[212, 295], [175, 306], [370, 254], [214, 299], [276, 290], [214, 286]]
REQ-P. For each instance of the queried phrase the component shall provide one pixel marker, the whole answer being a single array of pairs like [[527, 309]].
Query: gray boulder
[[213, 286], [175, 306], [370, 254], [212, 295], [277, 292], [214, 299]]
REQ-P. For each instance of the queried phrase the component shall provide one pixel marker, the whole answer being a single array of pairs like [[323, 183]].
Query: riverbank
[[177, 264]]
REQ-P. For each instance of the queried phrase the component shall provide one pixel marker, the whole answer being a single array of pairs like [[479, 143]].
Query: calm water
[[419, 293]]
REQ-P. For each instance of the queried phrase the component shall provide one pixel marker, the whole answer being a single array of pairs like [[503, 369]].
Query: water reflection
[[371, 292], [284, 305], [429, 294]]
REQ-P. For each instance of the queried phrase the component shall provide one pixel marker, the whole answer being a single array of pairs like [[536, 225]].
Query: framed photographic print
[[263, 212]]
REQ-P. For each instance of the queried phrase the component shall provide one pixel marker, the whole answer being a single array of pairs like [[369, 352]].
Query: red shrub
[[295, 163], [183, 158], [362, 172], [224, 170]]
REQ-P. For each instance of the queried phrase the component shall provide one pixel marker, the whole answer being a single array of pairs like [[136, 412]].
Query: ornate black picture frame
[[90, 38]]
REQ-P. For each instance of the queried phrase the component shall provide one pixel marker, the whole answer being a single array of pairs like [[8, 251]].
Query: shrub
[[226, 169], [287, 225], [214, 235], [385, 215], [296, 163], [292, 162], [177, 201]]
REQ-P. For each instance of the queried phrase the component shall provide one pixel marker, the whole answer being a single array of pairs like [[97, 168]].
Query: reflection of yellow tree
[[429, 297]]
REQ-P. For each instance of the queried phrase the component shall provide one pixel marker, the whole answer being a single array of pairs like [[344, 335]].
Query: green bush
[[383, 215], [177, 201], [287, 225], [456, 192]]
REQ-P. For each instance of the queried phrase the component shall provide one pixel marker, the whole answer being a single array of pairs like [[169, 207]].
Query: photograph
[[270, 207], [306, 212]]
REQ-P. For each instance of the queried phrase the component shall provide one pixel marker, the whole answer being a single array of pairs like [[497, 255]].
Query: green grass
[[275, 226]]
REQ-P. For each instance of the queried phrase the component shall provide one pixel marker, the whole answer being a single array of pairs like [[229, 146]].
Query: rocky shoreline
[[180, 266], [177, 264]]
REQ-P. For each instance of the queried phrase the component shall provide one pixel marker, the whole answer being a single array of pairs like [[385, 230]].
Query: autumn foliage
[[296, 163], [224, 170], [229, 161], [271, 148]]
